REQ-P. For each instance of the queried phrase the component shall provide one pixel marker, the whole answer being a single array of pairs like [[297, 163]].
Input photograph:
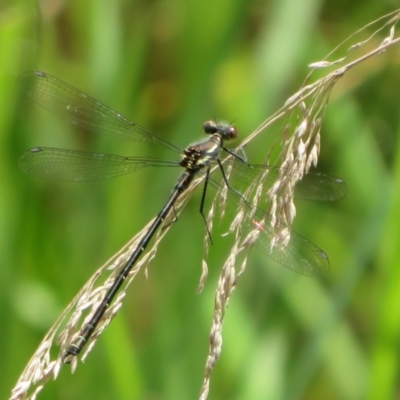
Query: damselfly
[[80, 109]]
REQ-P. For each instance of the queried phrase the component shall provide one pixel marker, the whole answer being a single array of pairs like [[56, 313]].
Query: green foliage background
[[170, 65]]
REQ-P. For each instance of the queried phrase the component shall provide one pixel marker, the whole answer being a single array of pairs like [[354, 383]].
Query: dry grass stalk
[[301, 118], [300, 150]]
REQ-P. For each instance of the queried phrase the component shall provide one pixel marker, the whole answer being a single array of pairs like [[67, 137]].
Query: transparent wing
[[313, 186], [287, 247], [298, 254], [320, 187], [71, 165], [82, 110]]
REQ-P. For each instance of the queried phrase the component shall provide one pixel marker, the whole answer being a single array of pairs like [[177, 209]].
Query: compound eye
[[210, 127], [232, 132]]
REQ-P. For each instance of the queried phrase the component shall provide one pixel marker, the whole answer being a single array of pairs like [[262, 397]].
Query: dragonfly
[[80, 109]]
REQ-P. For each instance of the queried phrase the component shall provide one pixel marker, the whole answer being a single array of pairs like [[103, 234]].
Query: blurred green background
[[170, 65]]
